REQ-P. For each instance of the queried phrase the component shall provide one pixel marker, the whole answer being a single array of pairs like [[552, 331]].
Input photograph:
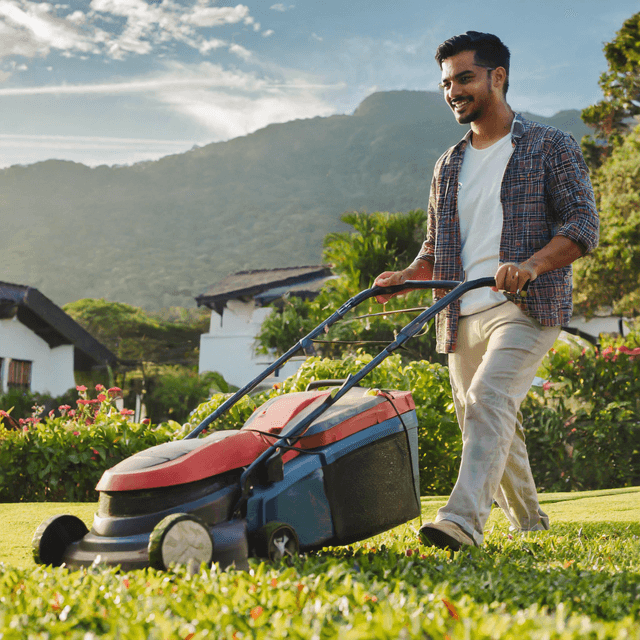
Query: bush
[[583, 426], [62, 458]]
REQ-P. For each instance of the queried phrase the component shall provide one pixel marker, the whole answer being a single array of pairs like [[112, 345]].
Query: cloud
[[32, 30], [115, 28], [281, 7], [226, 102]]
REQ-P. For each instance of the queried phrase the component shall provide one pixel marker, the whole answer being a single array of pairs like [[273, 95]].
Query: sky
[[115, 82]]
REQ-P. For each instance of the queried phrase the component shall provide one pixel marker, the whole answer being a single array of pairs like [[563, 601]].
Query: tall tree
[[610, 276], [613, 116]]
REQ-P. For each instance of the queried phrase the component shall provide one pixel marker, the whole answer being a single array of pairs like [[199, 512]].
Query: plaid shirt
[[545, 192]]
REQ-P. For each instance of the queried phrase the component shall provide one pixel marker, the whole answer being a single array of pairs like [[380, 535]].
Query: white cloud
[[268, 32], [31, 30], [281, 7], [315, 36], [115, 28]]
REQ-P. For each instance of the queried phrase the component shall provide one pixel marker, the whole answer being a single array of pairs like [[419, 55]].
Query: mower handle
[[305, 344]]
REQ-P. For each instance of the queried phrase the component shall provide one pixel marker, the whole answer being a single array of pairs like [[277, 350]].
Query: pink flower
[[63, 408], [146, 421], [101, 397], [114, 391], [52, 413], [72, 413], [126, 412], [76, 433], [80, 401], [81, 388], [546, 386], [99, 387]]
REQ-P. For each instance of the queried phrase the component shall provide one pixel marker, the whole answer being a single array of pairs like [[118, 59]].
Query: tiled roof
[[251, 283], [52, 324]]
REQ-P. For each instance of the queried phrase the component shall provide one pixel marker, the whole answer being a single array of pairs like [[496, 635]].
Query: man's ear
[[499, 77]]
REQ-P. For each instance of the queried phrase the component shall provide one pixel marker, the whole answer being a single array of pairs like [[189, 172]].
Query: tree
[[378, 242], [610, 276], [620, 85]]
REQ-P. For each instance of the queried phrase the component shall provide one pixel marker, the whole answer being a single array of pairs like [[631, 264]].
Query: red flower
[[63, 407], [81, 388], [114, 391], [99, 387], [126, 412], [76, 433], [101, 397], [52, 413], [256, 612], [146, 421], [546, 386]]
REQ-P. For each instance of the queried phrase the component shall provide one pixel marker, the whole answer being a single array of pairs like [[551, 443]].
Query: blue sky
[[121, 81]]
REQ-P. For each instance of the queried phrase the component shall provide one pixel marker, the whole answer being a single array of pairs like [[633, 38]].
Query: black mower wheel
[[180, 539], [276, 541], [54, 535]]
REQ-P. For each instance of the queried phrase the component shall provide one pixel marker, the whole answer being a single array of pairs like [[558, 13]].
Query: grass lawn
[[579, 580]]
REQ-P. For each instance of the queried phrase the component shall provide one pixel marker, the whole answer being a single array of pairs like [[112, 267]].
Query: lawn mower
[[328, 466]]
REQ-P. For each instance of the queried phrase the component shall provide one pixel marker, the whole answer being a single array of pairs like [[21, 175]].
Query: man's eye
[[465, 79]]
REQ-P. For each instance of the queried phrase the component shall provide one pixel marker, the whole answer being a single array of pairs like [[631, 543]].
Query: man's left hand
[[512, 277]]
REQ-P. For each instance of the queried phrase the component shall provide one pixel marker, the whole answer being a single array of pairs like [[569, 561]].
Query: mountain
[[156, 234]]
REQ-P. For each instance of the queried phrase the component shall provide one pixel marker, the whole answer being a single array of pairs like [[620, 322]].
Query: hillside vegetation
[[156, 234]]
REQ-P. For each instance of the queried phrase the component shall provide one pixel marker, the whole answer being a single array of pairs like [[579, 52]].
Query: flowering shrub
[[583, 426], [62, 456]]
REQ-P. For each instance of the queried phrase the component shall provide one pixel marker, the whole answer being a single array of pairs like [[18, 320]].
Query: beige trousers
[[497, 355]]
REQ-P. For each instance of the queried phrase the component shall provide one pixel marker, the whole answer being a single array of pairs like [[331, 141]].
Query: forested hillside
[[156, 234]]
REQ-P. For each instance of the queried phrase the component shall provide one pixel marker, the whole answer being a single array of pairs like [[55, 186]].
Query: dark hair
[[489, 50]]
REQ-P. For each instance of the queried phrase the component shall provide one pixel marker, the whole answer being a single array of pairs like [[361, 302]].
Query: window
[[19, 375]]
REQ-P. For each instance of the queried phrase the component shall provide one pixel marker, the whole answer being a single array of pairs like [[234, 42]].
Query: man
[[512, 200]]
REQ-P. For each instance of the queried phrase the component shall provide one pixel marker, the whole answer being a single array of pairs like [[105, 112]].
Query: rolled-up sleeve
[[571, 193]]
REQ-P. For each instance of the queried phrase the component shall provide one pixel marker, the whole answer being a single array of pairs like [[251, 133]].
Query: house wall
[[228, 347], [51, 369]]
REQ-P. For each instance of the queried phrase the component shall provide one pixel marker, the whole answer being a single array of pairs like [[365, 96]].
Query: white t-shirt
[[480, 213]]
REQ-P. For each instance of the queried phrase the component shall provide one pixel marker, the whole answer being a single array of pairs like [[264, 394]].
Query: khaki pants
[[497, 355]]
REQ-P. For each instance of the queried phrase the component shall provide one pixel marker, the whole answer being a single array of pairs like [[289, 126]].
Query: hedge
[[582, 426]]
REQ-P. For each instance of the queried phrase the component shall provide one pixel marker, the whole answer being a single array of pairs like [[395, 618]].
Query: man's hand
[[419, 269], [512, 277], [388, 279]]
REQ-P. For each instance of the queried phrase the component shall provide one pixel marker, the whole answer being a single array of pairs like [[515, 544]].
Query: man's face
[[467, 87]]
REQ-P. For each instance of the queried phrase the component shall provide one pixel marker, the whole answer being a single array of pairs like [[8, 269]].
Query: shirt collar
[[518, 127]]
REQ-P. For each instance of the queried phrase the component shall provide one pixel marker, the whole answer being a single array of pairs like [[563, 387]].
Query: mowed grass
[[581, 579]]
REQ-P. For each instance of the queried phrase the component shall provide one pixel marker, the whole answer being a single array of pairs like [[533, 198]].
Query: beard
[[469, 116]]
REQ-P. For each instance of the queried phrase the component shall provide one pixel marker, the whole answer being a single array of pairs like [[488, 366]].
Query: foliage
[[174, 392], [19, 403], [134, 334], [610, 275], [583, 426], [621, 88], [378, 242], [62, 457], [579, 581]]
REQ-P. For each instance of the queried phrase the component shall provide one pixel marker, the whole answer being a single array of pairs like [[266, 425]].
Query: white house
[[238, 304], [40, 345]]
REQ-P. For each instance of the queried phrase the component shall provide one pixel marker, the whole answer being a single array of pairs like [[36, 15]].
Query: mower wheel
[[53, 536], [180, 538], [276, 541]]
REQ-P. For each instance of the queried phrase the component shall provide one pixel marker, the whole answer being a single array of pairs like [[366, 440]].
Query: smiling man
[[512, 200]]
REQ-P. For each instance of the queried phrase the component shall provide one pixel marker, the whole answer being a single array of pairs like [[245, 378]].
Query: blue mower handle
[[305, 344]]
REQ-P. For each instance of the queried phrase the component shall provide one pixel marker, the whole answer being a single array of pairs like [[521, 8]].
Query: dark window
[[19, 375]]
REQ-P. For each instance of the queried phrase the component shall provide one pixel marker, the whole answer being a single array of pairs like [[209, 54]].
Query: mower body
[[351, 474]]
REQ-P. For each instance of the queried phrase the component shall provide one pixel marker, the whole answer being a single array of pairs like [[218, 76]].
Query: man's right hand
[[417, 270], [388, 279]]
